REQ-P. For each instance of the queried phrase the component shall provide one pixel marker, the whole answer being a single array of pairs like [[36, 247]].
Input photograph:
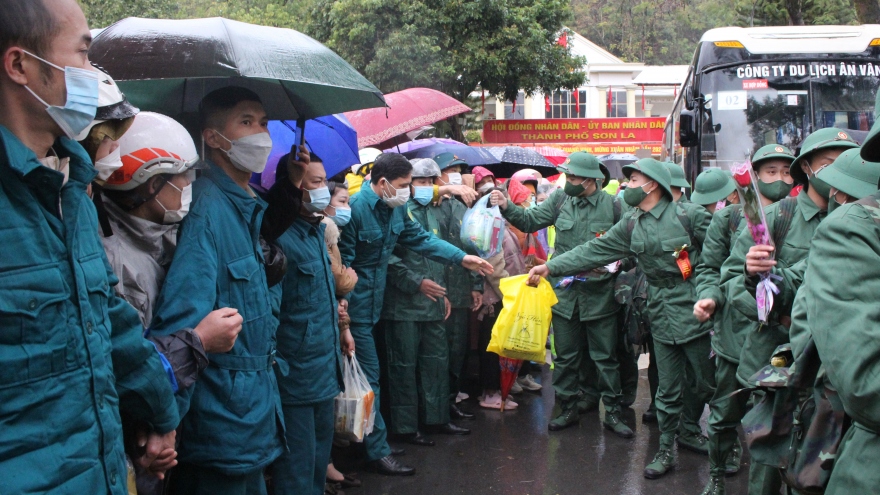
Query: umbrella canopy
[[515, 158], [421, 143], [472, 155], [168, 66], [614, 162], [509, 371], [330, 137], [408, 110], [553, 155]]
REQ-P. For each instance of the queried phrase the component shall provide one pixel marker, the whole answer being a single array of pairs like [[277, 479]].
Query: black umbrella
[[614, 162], [168, 66], [514, 159]]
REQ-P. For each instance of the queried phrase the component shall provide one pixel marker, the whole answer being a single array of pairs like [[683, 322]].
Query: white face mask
[[249, 153], [175, 216], [109, 164], [400, 197], [454, 178]]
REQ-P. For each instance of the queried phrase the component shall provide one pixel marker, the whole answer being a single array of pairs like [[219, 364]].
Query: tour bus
[[748, 87]]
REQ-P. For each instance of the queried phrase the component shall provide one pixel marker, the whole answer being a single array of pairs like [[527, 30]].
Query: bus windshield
[[753, 104]]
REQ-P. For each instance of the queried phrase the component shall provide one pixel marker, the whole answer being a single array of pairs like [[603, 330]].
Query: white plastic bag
[[482, 228], [355, 414]]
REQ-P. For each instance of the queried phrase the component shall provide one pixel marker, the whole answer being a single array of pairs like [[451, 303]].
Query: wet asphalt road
[[513, 453]]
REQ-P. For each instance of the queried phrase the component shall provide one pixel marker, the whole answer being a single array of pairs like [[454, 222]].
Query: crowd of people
[[167, 327]]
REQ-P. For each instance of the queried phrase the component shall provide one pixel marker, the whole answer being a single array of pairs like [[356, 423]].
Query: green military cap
[[677, 175], [852, 174], [583, 164], [771, 151], [829, 137], [653, 169], [446, 160], [712, 186]]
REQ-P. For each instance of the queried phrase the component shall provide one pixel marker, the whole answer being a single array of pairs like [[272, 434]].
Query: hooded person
[[666, 237], [586, 315], [484, 179]]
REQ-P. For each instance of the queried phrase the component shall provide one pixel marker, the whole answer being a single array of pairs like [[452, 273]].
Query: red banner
[[545, 131], [594, 148]]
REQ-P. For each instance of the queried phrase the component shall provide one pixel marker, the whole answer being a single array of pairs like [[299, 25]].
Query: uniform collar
[[807, 207], [592, 198], [239, 197], [660, 207], [22, 160], [369, 195]]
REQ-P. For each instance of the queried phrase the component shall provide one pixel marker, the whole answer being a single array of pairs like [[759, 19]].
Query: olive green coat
[[577, 221], [838, 304], [761, 342], [460, 282], [722, 233], [652, 237]]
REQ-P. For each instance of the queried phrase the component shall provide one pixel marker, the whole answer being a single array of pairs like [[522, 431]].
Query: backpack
[[800, 422]]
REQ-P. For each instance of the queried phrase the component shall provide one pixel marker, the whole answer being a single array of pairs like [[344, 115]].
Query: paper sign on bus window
[[731, 100], [755, 84]]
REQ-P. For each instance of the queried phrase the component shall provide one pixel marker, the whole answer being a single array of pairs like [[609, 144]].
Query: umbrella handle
[[301, 124]]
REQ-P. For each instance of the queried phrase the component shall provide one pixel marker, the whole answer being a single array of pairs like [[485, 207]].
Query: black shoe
[[389, 466], [450, 429], [397, 451], [418, 438], [456, 412], [650, 416]]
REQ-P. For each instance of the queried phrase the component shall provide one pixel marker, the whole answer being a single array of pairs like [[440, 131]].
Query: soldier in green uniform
[[585, 319], [712, 186], [666, 238], [791, 223], [678, 183], [840, 310], [415, 332], [464, 289], [771, 164]]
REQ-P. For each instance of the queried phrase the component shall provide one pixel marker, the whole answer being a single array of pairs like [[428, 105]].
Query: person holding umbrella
[[377, 224], [233, 428], [585, 319], [73, 355]]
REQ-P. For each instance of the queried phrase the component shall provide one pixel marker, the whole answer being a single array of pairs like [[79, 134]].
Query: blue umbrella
[[330, 137], [472, 155]]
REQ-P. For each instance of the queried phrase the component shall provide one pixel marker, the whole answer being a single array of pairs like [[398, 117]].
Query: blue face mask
[[342, 217], [82, 99], [423, 194], [320, 199]]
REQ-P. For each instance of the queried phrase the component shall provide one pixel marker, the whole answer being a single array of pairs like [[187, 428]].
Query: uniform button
[[32, 304], [112, 478], [89, 327]]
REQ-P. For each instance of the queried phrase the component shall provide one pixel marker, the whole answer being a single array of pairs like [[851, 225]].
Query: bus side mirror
[[687, 129], [688, 97]]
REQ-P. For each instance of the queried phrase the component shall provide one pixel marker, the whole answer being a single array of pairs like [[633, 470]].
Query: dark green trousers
[[418, 374], [725, 414], [628, 364], [457, 338], [672, 363], [582, 346], [692, 406], [303, 469], [189, 479]]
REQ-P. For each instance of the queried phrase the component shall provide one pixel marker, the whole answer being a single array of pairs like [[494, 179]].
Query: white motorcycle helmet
[[112, 105], [154, 144]]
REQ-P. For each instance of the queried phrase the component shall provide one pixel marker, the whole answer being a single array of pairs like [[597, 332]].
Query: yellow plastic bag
[[522, 326]]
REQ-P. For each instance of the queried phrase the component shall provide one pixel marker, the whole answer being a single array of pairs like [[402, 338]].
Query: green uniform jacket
[[367, 243], [577, 221], [759, 345], [234, 422], [72, 352], [840, 309], [407, 269], [460, 282], [652, 237], [727, 340], [308, 334]]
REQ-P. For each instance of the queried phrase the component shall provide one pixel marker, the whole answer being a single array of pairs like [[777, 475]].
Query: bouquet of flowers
[[753, 211]]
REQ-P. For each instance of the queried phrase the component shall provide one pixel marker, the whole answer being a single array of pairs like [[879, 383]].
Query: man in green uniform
[[690, 435], [791, 224], [379, 221], [840, 309], [712, 185], [771, 164], [464, 289], [585, 318], [72, 354], [415, 331], [666, 238]]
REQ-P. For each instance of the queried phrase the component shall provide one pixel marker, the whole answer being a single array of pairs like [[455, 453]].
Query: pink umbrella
[[408, 110]]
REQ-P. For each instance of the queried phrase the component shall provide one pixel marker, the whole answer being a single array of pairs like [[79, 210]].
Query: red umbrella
[[408, 110], [553, 155], [509, 371]]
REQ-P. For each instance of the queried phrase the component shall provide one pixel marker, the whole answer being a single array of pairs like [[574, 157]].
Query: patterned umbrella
[[515, 158], [471, 154], [554, 155], [509, 371]]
